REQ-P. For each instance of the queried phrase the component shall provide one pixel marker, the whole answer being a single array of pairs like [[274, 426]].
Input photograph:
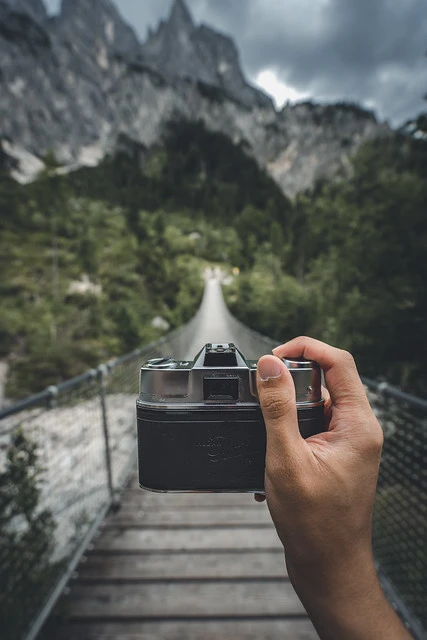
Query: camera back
[[200, 426]]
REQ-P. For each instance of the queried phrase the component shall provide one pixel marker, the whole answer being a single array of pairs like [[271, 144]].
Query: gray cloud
[[370, 51]]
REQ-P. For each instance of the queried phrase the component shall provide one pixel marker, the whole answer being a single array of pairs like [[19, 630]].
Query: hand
[[321, 491]]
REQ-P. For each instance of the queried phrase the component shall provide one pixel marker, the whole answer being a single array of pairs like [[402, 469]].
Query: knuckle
[[378, 439], [374, 441], [347, 358], [275, 406]]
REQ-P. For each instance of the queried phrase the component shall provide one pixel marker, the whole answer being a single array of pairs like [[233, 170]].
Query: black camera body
[[200, 426]]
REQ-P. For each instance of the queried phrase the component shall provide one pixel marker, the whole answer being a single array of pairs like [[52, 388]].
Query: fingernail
[[269, 368]]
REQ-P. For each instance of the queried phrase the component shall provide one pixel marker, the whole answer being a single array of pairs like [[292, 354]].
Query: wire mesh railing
[[65, 455], [400, 517]]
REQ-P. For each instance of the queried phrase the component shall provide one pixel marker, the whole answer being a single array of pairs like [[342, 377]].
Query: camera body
[[200, 426]]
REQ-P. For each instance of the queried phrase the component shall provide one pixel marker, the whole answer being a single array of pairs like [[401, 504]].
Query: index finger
[[341, 375]]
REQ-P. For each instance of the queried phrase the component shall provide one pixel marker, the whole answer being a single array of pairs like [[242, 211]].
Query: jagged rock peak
[[97, 21], [92, 7], [80, 83], [33, 8], [181, 49], [180, 15]]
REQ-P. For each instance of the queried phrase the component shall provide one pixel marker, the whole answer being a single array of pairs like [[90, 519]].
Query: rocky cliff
[[32, 8], [180, 49], [75, 83]]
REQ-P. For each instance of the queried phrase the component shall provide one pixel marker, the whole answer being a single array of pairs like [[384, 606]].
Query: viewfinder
[[221, 388]]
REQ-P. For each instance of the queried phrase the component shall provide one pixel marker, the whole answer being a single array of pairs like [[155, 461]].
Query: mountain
[[180, 49], [33, 8], [76, 84], [95, 32]]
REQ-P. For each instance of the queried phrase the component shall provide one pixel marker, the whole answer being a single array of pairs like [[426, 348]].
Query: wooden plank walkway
[[186, 567], [181, 567]]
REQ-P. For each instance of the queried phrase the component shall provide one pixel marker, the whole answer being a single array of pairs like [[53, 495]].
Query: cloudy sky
[[368, 51]]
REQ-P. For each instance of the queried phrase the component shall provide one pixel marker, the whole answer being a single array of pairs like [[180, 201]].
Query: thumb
[[276, 392]]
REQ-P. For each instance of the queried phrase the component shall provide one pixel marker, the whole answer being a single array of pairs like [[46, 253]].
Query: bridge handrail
[[388, 390], [48, 394], [98, 407], [95, 412]]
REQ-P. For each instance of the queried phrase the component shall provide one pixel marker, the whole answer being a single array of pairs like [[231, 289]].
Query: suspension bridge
[[125, 563]]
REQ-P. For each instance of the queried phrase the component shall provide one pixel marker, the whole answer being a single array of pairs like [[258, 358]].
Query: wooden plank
[[197, 565], [194, 517], [185, 600], [187, 539], [190, 630], [168, 500], [129, 506]]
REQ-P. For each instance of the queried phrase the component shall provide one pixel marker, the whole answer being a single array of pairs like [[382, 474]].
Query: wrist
[[334, 578], [347, 601]]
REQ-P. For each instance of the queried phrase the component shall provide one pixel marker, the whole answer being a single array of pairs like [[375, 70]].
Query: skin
[[321, 491]]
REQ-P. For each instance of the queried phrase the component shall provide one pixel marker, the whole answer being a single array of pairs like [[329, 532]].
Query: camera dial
[[161, 363], [307, 379]]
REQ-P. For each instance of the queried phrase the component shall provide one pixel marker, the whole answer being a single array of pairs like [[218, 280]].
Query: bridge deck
[[184, 567]]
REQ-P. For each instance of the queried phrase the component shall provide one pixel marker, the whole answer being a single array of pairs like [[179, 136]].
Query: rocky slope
[[75, 83]]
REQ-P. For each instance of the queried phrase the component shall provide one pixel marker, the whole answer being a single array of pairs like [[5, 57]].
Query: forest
[[90, 259], [353, 269]]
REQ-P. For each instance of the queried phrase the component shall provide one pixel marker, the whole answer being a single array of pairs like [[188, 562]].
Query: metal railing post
[[102, 372]]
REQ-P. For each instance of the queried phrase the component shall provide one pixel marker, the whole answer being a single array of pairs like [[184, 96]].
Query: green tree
[[26, 538]]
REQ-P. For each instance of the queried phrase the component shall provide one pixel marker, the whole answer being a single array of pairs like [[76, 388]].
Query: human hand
[[321, 491]]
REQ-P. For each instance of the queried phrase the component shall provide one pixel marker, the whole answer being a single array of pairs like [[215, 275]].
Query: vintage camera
[[200, 426]]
